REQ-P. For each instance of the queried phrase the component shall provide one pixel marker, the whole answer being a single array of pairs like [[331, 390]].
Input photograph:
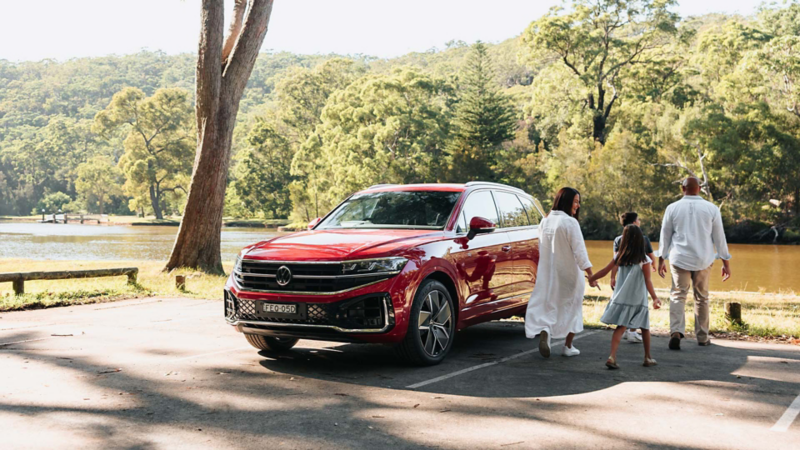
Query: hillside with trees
[[617, 99]]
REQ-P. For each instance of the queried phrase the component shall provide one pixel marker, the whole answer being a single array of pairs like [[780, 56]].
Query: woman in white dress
[[555, 309]]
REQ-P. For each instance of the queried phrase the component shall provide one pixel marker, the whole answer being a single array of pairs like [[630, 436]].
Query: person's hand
[[656, 303], [662, 268], [726, 271], [593, 283], [654, 267], [613, 282]]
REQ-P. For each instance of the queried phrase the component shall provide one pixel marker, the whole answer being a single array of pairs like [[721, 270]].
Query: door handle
[[506, 248]]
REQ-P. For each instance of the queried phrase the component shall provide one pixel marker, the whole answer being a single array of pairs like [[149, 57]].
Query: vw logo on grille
[[283, 276]]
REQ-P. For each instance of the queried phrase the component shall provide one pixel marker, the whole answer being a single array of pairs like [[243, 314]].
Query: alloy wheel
[[435, 323]]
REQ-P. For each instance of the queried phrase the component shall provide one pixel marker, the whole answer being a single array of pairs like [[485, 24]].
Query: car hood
[[335, 245]]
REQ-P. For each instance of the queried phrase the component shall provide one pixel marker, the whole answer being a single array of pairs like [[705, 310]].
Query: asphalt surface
[[168, 373]]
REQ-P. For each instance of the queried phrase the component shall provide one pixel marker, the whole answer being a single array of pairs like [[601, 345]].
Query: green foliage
[[98, 180], [262, 175], [597, 41], [380, 129], [52, 203], [159, 144], [484, 119]]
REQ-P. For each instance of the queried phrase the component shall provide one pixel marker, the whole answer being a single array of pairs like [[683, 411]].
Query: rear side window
[[511, 210], [480, 204], [533, 213]]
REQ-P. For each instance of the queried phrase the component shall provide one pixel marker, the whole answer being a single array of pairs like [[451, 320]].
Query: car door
[[526, 256], [523, 243], [482, 263]]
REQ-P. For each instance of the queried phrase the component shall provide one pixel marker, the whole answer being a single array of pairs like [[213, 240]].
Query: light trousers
[[681, 280]]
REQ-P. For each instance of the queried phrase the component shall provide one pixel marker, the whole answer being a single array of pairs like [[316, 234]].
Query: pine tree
[[484, 119]]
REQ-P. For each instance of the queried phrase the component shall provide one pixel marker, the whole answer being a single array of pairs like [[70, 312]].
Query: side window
[[461, 225], [533, 213], [480, 204], [511, 210]]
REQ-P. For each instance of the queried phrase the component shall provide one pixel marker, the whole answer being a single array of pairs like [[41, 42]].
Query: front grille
[[311, 278], [373, 311]]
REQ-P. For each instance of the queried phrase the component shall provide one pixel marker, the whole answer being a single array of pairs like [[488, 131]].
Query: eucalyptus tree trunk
[[223, 68]]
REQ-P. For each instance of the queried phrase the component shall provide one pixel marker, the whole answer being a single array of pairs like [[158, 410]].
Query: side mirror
[[479, 225], [314, 223]]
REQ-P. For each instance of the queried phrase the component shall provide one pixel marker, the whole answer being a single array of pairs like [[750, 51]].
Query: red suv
[[403, 264]]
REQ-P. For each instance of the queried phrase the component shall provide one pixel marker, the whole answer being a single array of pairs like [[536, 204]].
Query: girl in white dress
[[555, 309]]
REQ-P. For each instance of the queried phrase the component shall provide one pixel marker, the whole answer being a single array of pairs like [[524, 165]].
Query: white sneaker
[[567, 351], [633, 336]]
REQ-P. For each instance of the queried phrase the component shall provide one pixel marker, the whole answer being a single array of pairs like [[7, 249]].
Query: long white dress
[[557, 298]]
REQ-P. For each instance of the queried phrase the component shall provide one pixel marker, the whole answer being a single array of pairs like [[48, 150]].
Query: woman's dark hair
[[631, 247], [563, 202]]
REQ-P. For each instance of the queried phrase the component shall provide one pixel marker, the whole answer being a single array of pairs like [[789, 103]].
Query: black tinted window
[[511, 210], [480, 204], [394, 209], [533, 213]]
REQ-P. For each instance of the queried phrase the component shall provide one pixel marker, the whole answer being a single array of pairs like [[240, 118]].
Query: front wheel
[[273, 344], [431, 327]]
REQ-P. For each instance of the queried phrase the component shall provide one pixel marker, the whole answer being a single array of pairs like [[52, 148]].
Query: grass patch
[[763, 314], [152, 281]]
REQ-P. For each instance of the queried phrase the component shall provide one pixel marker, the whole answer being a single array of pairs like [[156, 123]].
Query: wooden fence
[[19, 278]]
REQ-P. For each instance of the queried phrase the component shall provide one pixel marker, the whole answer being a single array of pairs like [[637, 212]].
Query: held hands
[[656, 303]]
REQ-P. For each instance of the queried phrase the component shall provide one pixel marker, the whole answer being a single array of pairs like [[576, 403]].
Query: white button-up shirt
[[691, 234]]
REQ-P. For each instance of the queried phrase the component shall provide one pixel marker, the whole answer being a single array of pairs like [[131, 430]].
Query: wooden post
[[132, 276], [19, 286], [180, 282], [733, 312]]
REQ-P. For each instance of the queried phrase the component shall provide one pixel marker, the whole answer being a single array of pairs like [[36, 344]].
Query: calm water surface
[[770, 268]]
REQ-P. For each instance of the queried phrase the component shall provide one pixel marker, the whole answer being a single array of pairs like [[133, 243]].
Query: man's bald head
[[690, 186]]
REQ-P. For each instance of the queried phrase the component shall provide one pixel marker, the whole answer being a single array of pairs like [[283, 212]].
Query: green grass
[[152, 281], [763, 314]]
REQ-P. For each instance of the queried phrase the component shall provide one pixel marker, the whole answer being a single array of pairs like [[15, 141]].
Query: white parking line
[[788, 416], [235, 349], [481, 366]]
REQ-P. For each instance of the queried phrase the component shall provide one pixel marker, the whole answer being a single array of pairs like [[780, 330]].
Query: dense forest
[[617, 99]]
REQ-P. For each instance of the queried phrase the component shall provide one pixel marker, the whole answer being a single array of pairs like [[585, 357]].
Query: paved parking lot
[[168, 373]]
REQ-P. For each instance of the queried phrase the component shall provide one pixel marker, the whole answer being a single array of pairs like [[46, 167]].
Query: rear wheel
[[431, 327], [270, 343]]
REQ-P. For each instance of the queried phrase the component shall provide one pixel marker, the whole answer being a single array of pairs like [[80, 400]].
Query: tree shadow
[[318, 397]]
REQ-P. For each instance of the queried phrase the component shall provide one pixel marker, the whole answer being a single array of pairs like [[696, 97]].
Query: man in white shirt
[[691, 239]]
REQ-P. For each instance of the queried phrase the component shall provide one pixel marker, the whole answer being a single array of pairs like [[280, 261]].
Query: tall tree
[[158, 143], [262, 175], [596, 40], [223, 68], [484, 119]]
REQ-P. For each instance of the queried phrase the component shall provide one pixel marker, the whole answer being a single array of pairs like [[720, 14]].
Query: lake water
[[771, 268]]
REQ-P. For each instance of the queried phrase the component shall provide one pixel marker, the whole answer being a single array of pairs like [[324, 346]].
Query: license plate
[[275, 308]]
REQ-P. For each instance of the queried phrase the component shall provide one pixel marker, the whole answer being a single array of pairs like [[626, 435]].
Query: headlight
[[237, 263], [374, 266]]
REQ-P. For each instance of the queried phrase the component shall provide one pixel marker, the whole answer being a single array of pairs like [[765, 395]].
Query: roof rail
[[381, 185], [489, 183]]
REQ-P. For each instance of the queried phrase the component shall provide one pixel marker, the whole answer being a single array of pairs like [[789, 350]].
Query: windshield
[[394, 209]]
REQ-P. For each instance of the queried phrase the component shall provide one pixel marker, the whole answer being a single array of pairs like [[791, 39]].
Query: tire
[[430, 335], [270, 343]]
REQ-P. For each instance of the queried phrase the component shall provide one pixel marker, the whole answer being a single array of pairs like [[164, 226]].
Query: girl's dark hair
[[631, 247], [563, 201]]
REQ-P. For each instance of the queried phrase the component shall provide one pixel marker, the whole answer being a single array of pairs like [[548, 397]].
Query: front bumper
[[370, 314]]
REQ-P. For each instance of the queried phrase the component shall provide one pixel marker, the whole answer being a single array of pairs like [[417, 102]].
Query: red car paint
[[491, 275]]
